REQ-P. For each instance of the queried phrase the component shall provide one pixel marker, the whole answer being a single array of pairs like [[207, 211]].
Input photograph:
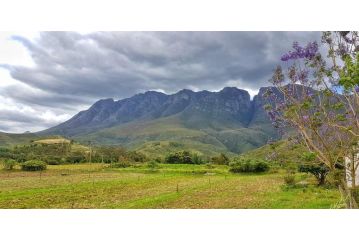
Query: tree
[[221, 159], [311, 165], [318, 96], [183, 157]]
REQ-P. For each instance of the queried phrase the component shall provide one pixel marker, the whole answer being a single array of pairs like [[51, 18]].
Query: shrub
[[196, 159], [9, 164], [289, 179], [248, 165], [75, 157], [136, 156], [183, 157], [152, 165], [33, 165], [221, 159], [310, 165], [53, 162], [122, 164]]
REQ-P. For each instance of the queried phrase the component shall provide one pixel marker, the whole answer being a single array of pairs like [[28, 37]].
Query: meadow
[[169, 186]]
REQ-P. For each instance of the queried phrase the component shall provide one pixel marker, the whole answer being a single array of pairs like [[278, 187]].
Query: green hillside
[[9, 139], [160, 136], [283, 151]]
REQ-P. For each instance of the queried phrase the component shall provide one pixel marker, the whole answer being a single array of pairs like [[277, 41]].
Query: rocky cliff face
[[222, 121], [229, 106]]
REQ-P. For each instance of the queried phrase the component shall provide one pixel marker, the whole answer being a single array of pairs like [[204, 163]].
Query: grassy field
[[171, 186]]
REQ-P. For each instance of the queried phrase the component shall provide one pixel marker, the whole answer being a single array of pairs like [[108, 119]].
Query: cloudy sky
[[47, 77]]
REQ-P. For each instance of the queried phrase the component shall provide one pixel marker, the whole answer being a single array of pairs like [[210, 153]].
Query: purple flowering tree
[[318, 96]]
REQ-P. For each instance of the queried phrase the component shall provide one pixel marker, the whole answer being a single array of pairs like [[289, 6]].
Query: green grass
[[170, 186]]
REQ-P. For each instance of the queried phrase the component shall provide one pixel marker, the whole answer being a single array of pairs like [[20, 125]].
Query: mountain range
[[155, 123]]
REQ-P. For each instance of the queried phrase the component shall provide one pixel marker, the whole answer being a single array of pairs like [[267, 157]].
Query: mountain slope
[[8, 139], [209, 122]]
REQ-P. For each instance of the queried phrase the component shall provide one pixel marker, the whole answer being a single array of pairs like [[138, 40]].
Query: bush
[[9, 164], [75, 157], [152, 165], [53, 162], [248, 165], [33, 165], [289, 179], [221, 159], [121, 164], [136, 156], [314, 167], [183, 157]]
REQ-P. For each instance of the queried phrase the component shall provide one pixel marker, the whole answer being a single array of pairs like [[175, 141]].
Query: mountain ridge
[[226, 120], [179, 98]]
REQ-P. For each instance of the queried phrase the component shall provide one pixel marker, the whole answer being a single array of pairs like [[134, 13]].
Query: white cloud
[[13, 52]]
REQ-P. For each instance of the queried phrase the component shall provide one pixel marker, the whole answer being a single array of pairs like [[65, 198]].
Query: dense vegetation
[[248, 165], [33, 165]]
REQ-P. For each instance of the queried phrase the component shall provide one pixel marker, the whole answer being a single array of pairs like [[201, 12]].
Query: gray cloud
[[73, 70]]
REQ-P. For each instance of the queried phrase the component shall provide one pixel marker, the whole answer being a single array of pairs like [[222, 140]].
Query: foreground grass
[[171, 186]]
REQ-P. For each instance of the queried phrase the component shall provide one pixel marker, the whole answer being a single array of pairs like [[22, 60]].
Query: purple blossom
[[308, 52], [357, 89], [305, 118], [342, 49], [303, 76], [271, 115]]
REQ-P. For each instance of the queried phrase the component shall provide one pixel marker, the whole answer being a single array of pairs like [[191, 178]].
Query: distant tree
[[9, 164], [136, 156], [221, 159], [33, 165], [183, 157], [247, 165]]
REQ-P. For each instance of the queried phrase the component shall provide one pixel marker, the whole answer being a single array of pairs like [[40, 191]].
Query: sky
[[47, 77]]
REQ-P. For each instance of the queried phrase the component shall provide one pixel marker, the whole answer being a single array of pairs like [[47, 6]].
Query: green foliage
[[282, 153], [349, 74], [210, 166], [75, 157], [183, 157], [289, 179], [121, 164], [152, 165], [108, 154], [9, 164], [317, 169], [54, 160], [136, 156], [221, 159], [33, 165], [248, 165]]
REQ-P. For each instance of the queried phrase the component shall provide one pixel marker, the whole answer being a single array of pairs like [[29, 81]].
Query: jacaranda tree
[[316, 93]]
